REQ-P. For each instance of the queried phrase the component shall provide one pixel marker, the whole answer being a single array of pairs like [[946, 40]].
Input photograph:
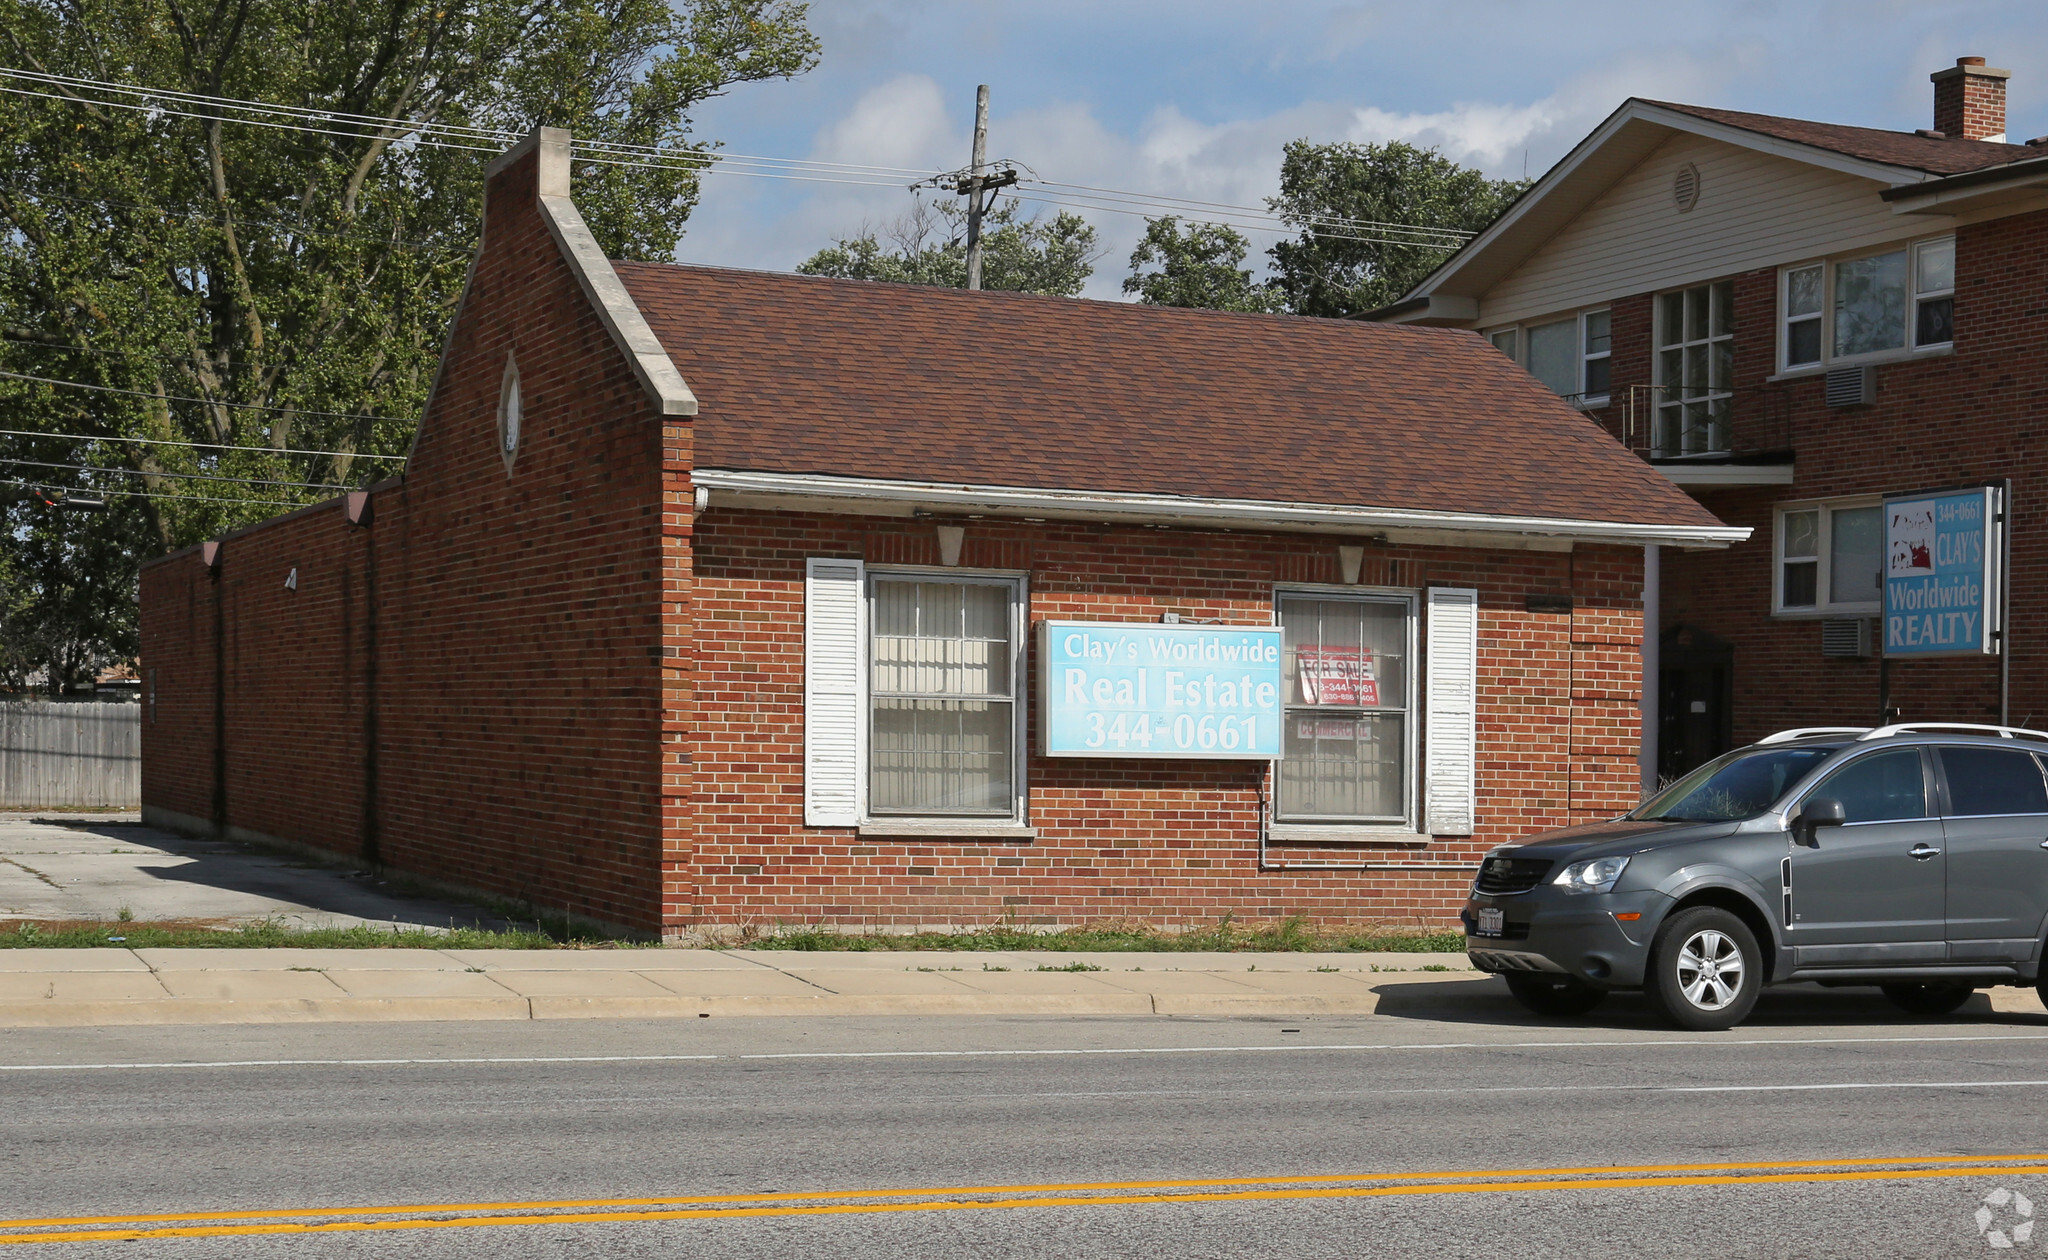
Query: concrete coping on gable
[[606, 293]]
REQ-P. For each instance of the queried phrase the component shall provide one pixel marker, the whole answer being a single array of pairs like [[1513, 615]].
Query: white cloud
[[908, 122]]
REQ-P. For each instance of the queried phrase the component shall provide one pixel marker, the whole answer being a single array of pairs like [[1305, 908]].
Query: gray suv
[[1912, 857]]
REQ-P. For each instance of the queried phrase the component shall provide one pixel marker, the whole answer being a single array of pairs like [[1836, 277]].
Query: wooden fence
[[59, 755]]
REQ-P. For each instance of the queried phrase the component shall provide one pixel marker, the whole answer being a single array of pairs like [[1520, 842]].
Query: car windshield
[[1737, 786]]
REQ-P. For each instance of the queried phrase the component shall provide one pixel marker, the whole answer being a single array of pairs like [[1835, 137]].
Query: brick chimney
[[1969, 100]]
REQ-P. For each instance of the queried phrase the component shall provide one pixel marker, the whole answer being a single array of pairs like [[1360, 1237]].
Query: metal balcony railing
[[1671, 423]]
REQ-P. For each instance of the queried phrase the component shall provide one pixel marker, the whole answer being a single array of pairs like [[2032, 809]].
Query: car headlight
[[1595, 875]]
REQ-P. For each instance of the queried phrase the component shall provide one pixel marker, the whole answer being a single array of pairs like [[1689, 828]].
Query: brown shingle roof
[[799, 374], [1952, 156]]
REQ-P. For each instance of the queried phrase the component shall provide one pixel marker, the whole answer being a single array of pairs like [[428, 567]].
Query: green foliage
[[1200, 267], [929, 246], [1344, 269], [256, 268], [1295, 935]]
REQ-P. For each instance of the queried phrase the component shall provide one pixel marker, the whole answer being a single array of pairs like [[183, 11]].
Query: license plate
[[1490, 921]]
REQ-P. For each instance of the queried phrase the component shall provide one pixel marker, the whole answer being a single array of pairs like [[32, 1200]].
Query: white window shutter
[[1450, 718], [835, 692]]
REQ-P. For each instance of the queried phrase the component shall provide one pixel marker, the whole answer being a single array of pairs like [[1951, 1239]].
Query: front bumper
[[1576, 934]]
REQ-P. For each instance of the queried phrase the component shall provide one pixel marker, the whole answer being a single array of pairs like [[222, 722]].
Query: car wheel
[[1705, 969], [1552, 994], [1928, 999]]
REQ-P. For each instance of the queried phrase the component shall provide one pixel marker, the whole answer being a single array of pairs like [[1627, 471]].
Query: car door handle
[[2044, 844], [1924, 851]]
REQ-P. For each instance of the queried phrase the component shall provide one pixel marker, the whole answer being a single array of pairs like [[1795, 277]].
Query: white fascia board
[[1642, 111], [1726, 474], [738, 487]]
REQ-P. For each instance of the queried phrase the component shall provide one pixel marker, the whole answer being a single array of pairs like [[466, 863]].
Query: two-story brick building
[[713, 598], [1793, 320]]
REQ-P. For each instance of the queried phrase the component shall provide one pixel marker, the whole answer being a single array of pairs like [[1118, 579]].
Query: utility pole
[[976, 182]]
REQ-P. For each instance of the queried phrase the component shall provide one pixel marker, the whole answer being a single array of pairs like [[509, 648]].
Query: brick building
[[712, 599], [1794, 320]]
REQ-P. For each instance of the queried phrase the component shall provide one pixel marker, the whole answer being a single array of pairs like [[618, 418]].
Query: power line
[[146, 494], [204, 402], [134, 472], [651, 157], [210, 446]]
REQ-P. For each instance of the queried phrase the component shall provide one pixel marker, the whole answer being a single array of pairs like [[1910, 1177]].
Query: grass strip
[[1294, 935], [1226, 937]]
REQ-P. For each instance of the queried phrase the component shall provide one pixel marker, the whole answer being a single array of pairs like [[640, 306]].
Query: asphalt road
[[1322, 1128]]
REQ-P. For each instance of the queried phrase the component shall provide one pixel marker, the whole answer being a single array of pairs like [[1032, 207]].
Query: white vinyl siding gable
[[835, 693], [1450, 712], [1755, 210]]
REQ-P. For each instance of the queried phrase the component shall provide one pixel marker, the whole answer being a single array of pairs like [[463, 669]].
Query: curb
[[62, 1014]]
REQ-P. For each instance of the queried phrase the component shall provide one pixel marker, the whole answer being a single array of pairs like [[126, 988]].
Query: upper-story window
[[1695, 369], [1570, 355], [1856, 309]]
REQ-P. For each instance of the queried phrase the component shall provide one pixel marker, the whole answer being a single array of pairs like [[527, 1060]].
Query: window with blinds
[[943, 737], [1346, 742]]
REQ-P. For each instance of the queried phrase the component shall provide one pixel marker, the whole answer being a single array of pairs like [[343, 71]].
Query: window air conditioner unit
[[1846, 637], [1852, 387]]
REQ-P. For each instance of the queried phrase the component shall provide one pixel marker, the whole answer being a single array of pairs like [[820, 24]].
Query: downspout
[[372, 850], [1653, 685]]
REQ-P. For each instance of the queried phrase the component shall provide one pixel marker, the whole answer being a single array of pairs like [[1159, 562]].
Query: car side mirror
[[1818, 812]]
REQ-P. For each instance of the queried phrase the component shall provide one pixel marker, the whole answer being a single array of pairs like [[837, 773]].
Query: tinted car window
[[1879, 788], [1993, 781], [1739, 786]]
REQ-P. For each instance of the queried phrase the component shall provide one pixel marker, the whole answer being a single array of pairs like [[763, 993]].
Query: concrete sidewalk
[[75, 987]]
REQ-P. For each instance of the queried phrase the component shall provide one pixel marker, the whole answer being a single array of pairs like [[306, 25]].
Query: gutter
[[739, 487], [2024, 168]]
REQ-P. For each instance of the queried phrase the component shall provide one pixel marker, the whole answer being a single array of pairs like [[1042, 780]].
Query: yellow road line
[[2000, 1164], [1055, 1187]]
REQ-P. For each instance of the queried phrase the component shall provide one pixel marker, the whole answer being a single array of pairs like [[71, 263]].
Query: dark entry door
[[1871, 891], [1696, 690]]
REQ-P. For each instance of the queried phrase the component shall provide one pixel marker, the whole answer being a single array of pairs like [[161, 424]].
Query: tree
[[1370, 217], [1201, 267], [1032, 255], [295, 281]]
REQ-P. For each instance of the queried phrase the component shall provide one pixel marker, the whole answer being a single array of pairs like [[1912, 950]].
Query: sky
[[1195, 98]]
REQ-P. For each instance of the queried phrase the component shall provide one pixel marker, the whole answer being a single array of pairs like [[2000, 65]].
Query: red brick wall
[[520, 704], [1156, 841], [1969, 417]]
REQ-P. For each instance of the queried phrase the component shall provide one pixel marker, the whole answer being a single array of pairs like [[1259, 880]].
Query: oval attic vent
[[1685, 187]]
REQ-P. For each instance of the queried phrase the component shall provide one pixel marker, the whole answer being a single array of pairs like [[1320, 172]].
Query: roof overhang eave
[[815, 491], [1443, 282]]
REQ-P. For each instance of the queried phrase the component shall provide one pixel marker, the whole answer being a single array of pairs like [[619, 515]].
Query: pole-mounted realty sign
[[1137, 689], [1943, 584]]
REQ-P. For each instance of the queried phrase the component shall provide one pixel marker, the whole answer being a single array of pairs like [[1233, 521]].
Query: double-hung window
[[945, 735], [1854, 310], [1348, 738], [1695, 370], [1830, 557], [1571, 355]]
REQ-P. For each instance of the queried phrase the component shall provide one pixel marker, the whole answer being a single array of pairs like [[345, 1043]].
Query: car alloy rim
[[1710, 970]]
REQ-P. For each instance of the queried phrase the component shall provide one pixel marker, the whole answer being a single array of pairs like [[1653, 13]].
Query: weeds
[[1076, 965], [1295, 935], [266, 934]]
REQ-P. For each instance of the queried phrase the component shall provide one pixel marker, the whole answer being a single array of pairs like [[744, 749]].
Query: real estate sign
[[1135, 689], [1943, 593]]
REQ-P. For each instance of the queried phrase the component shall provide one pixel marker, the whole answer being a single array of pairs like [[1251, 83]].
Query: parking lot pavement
[[70, 867]]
